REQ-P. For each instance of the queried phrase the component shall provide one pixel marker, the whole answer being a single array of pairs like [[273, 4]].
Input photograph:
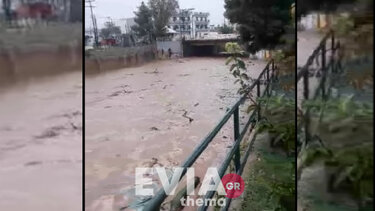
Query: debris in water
[[48, 134], [185, 115], [154, 128], [153, 72], [33, 163]]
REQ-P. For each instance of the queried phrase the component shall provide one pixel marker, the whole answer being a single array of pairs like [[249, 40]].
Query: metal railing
[[328, 49], [266, 77]]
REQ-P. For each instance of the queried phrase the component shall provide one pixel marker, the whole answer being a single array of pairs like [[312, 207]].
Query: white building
[[189, 24], [125, 24]]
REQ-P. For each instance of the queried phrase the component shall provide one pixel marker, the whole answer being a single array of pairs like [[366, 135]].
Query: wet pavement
[[153, 115], [41, 144]]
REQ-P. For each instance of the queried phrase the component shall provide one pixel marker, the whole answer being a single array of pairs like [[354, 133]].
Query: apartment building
[[190, 24]]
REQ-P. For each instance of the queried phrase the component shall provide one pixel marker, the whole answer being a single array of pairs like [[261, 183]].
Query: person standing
[[169, 52]]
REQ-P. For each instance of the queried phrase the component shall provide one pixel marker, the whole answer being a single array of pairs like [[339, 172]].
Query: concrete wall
[[17, 64], [175, 46], [97, 64]]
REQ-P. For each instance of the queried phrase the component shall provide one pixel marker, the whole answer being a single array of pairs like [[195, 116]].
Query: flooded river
[[153, 115], [41, 144]]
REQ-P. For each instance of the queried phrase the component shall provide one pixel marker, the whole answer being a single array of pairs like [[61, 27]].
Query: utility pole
[[6, 8], [94, 24]]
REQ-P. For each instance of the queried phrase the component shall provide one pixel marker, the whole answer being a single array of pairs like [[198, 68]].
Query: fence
[[323, 71], [267, 76]]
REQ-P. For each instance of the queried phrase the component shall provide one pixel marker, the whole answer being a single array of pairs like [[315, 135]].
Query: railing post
[[324, 70], [236, 121], [268, 81], [306, 85], [333, 52], [258, 95]]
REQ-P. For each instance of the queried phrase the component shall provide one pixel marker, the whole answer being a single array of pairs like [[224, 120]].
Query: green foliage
[[110, 30], [343, 25], [271, 185], [350, 161], [278, 121], [237, 66], [162, 11], [225, 29], [338, 108], [352, 168], [261, 23], [143, 20]]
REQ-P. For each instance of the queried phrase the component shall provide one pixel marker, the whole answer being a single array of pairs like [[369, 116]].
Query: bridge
[[207, 46]]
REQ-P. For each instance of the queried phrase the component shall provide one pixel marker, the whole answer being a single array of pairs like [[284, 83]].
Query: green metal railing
[[266, 77], [326, 50]]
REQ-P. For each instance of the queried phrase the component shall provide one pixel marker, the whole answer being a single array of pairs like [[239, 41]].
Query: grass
[[271, 184]]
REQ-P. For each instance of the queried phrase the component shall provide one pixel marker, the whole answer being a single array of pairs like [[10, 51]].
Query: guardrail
[[266, 76], [324, 70]]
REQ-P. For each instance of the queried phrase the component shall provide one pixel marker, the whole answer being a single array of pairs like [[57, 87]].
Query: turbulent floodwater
[[41, 144], [153, 115]]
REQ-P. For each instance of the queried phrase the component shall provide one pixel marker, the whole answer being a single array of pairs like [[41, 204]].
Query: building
[[189, 24], [65, 10], [125, 24], [200, 23]]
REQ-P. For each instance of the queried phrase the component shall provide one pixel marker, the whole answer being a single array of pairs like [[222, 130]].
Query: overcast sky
[[117, 9]]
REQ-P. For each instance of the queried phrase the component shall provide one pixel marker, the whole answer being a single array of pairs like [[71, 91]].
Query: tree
[[143, 20], [110, 30], [306, 6], [261, 22], [162, 11], [225, 29]]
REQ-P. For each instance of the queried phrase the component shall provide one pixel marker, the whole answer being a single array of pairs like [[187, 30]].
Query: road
[[41, 144], [153, 115]]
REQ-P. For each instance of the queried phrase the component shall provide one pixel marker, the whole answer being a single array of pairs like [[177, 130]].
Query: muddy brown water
[[139, 117], [41, 144]]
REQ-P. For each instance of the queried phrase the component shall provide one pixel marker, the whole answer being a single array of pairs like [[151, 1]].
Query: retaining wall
[[112, 59], [19, 64]]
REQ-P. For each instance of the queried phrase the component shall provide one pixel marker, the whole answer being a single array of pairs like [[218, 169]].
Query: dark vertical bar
[[237, 155], [258, 94], [333, 52], [324, 70], [273, 69], [268, 82], [306, 84]]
